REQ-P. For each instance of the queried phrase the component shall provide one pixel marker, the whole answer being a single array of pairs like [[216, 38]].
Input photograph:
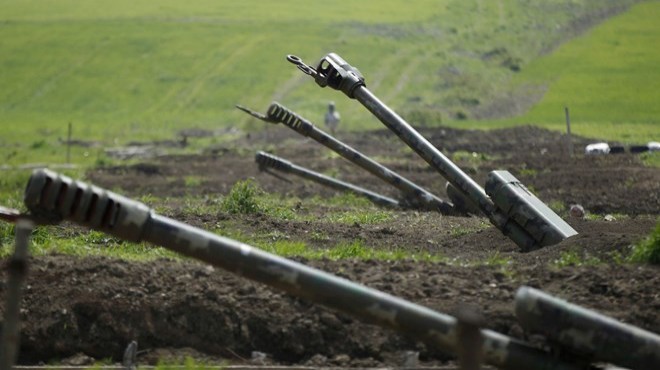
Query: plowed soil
[[79, 309]]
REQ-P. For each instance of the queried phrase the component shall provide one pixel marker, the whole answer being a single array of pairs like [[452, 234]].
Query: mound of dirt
[[96, 306]]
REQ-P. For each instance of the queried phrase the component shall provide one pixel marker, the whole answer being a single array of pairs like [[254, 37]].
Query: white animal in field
[[332, 118], [597, 148]]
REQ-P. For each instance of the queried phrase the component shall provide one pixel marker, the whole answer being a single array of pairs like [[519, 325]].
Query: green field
[[142, 70], [608, 78]]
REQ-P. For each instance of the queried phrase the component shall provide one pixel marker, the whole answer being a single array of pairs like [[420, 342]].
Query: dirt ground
[[80, 309]]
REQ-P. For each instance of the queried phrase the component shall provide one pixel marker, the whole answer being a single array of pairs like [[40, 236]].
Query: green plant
[[573, 258], [287, 248], [192, 181], [648, 250], [567, 258], [651, 159], [355, 250], [529, 172], [242, 198], [497, 260]]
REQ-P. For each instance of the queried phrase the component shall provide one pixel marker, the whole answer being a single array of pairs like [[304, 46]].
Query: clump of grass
[[361, 217], [497, 260], [192, 181], [648, 250], [186, 363], [573, 258], [650, 159], [287, 248], [242, 198], [356, 250], [530, 172], [6, 236], [470, 157]]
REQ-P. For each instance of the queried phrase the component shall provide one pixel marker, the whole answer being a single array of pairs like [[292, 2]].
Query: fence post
[[68, 145], [17, 271], [469, 338], [568, 132]]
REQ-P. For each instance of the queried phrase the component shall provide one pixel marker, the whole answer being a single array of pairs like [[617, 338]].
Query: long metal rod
[[587, 332], [514, 210], [53, 196], [275, 162], [413, 194], [450, 171], [17, 271]]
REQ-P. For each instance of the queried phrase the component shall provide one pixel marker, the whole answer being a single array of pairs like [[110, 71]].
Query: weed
[[38, 144], [148, 199], [457, 231], [282, 209], [648, 250], [355, 250], [360, 217], [187, 363], [460, 231], [473, 158], [617, 257], [572, 258], [242, 198], [287, 248], [319, 236], [497, 260], [529, 172], [192, 181], [650, 159], [6, 237], [275, 235]]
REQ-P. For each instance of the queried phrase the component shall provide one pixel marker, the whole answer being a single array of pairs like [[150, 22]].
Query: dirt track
[[96, 306]]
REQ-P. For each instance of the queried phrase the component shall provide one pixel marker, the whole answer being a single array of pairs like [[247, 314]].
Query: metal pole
[[269, 160], [414, 195], [587, 332], [513, 209], [450, 171], [54, 196], [17, 270], [470, 340], [568, 132], [68, 145]]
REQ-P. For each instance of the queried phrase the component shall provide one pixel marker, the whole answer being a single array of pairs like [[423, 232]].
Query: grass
[[242, 198], [607, 78], [651, 159], [573, 258], [360, 217], [648, 250], [124, 70]]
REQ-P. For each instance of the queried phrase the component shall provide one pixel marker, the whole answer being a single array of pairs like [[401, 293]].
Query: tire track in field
[[404, 78], [172, 95], [61, 73], [216, 69], [384, 71]]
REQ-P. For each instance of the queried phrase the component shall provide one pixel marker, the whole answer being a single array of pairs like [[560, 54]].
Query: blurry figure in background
[[576, 211], [332, 118]]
